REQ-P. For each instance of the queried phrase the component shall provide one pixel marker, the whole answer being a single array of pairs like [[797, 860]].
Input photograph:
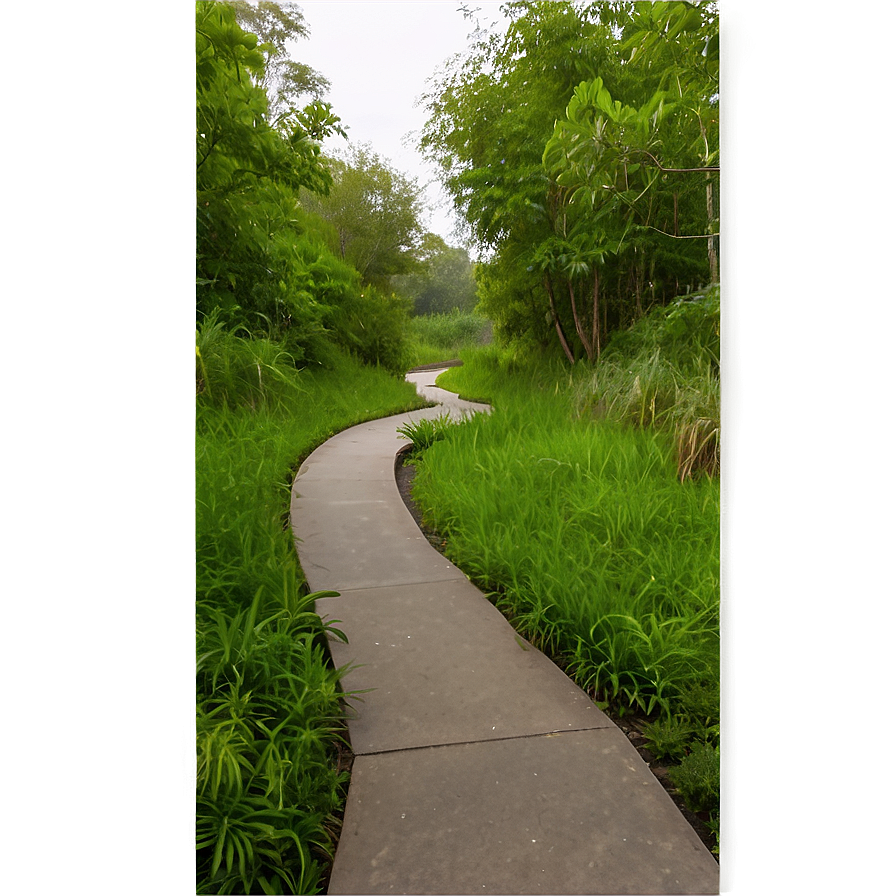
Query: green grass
[[590, 530], [269, 716], [441, 337]]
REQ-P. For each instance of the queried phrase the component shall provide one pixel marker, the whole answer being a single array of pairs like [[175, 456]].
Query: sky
[[378, 57]]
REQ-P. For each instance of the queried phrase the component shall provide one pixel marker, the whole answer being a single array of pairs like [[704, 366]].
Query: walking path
[[479, 766]]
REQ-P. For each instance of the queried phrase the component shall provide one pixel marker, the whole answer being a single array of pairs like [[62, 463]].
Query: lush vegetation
[[442, 281], [441, 337], [293, 246], [575, 507], [268, 700], [284, 320], [581, 148]]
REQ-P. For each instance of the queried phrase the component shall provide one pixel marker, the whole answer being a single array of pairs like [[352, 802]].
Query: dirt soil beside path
[[630, 725]]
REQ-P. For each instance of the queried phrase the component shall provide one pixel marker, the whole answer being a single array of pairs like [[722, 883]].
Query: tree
[[597, 259], [375, 212], [286, 81], [444, 279], [255, 250]]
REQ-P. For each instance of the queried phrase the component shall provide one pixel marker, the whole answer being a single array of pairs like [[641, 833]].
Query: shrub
[[698, 779], [664, 372], [669, 738], [234, 370], [372, 325], [425, 433]]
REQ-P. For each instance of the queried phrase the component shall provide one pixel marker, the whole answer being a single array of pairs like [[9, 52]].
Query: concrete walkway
[[479, 766]]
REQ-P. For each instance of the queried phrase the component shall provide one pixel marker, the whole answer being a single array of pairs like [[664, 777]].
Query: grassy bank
[[587, 509], [268, 715]]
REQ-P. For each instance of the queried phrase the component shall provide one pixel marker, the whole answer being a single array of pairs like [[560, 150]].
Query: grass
[[441, 337], [664, 372], [424, 433], [269, 716], [587, 506]]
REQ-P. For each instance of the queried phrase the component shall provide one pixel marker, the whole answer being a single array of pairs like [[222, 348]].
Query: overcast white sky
[[377, 57]]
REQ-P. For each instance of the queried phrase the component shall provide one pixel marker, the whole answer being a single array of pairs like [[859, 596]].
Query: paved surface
[[479, 766]]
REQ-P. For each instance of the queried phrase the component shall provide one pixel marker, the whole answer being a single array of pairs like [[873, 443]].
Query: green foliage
[[687, 333], [591, 545], [256, 251], [441, 337], [375, 212], [425, 433], [269, 719], [580, 185], [266, 724], [444, 281], [698, 779], [285, 80], [668, 738], [664, 371], [233, 371], [372, 324]]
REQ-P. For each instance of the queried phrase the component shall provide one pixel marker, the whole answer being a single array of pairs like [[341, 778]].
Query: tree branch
[[699, 236], [656, 161]]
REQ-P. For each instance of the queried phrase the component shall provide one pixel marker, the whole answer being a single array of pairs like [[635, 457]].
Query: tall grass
[[440, 337], [664, 372], [588, 540], [587, 505], [268, 702]]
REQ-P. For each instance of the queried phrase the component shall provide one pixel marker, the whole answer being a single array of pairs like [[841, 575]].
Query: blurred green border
[[808, 510], [97, 423]]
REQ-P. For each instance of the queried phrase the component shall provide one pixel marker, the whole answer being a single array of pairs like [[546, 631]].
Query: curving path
[[479, 766]]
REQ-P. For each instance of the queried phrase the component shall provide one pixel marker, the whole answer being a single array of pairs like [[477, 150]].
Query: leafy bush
[[425, 433], [663, 372], [669, 738], [372, 325], [234, 370], [687, 333], [698, 779], [268, 713]]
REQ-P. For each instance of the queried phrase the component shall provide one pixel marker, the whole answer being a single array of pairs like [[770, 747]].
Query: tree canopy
[[375, 211], [581, 148], [443, 281], [264, 263], [286, 81]]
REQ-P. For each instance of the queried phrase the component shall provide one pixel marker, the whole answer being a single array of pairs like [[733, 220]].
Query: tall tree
[[251, 246], [375, 212], [287, 82]]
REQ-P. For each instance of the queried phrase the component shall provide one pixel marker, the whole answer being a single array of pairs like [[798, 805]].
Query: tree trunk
[[711, 242], [638, 289], [595, 322], [589, 350], [560, 334], [605, 303]]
